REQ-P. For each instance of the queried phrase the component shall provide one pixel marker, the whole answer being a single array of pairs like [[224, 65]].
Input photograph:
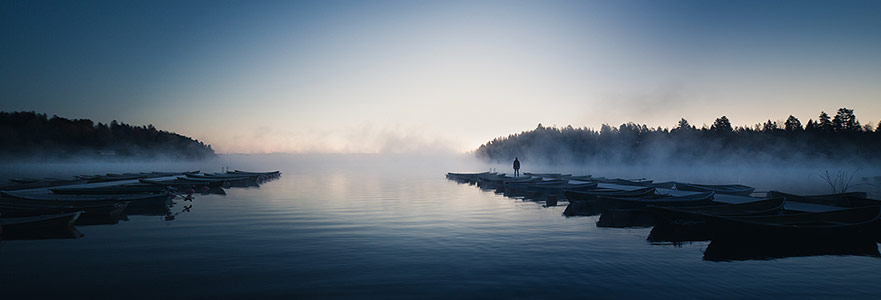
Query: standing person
[[516, 167]]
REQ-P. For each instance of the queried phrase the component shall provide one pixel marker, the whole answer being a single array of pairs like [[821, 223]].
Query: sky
[[433, 76]]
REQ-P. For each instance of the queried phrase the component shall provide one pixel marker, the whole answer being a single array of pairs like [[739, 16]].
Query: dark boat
[[548, 175], [687, 224], [97, 201], [854, 222], [39, 222], [621, 202], [467, 177], [853, 199], [181, 184], [231, 177], [39, 184], [130, 176], [619, 181], [575, 196], [261, 175], [663, 185], [668, 214], [112, 190], [729, 189], [558, 188]]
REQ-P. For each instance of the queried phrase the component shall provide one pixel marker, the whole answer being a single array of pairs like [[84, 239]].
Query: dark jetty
[[50, 208], [740, 226]]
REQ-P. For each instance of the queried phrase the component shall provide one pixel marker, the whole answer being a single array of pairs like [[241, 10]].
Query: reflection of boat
[[16, 208], [854, 222], [853, 199], [683, 232], [39, 222], [730, 189], [577, 196], [675, 201], [68, 232], [581, 208], [734, 249], [621, 218]]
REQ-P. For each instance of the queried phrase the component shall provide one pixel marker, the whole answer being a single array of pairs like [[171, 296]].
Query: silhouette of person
[[516, 167]]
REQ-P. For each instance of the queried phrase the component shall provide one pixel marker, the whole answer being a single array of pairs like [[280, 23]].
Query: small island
[[30, 135]]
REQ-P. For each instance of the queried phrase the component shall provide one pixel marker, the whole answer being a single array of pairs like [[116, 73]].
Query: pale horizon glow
[[404, 76]]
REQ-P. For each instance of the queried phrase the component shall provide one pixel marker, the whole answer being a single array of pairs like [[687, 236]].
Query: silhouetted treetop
[[29, 134], [839, 139]]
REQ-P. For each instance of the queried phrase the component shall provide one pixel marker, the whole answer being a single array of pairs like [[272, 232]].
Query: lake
[[342, 227]]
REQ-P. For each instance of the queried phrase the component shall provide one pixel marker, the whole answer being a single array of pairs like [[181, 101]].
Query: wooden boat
[[39, 184], [23, 180], [729, 189], [214, 179], [112, 190], [181, 184], [668, 214], [548, 175], [846, 223], [522, 185], [560, 186], [468, 176], [222, 177], [581, 178], [262, 175], [619, 181], [86, 201], [687, 224], [131, 176], [575, 196], [853, 199], [622, 203], [39, 222], [663, 185]]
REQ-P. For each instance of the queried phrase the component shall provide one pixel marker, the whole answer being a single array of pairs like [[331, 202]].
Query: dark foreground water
[[353, 229]]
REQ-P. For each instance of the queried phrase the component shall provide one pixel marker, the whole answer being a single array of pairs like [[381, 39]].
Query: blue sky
[[401, 76]]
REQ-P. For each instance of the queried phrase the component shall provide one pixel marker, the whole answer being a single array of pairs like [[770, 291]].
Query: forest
[[837, 138], [30, 135]]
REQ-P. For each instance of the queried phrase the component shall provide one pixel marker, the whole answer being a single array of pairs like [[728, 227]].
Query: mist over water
[[790, 175], [391, 226]]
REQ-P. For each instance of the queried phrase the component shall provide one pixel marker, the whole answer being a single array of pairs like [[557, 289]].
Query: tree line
[[839, 137], [33, 135]]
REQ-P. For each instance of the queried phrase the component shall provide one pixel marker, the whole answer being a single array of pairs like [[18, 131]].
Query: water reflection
[[733, 249], [39, 217]]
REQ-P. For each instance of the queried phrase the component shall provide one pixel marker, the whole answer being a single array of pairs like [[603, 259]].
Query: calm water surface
[[351, 229]]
